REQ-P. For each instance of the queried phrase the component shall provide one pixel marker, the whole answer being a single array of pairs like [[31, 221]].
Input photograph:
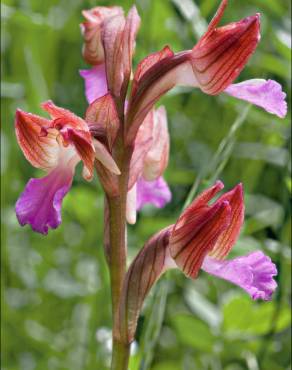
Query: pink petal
[[156, 159], [62, 117], [103, 155], [142, 145], [118, 37], [95, 82], [131, 213], [253, 273], [93, 51], [40, 203], [267, 94], [40, 150], [83, 144], [154, 192]]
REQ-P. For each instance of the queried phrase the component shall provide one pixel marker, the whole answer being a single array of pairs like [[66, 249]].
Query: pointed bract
[[144, 271], [102, 112]]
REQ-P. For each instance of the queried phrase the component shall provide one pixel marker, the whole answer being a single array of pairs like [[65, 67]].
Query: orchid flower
[[202, 237], [55, 146]]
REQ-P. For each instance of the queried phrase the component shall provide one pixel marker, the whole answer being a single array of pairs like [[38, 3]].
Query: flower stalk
[[118, 251]]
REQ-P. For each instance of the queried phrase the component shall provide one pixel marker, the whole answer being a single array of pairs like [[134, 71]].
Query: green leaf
[[193, 332], [243, 317]]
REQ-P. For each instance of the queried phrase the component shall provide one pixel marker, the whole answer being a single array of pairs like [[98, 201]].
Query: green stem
[[118, 255], [120, 355]]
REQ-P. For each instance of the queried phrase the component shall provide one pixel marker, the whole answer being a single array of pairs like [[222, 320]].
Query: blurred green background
[[55, 288]]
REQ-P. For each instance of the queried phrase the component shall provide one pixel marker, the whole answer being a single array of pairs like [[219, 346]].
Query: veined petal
[[118, 36], [156, 159], [253, 273], [93, 51], [205, 197], [102, 112], [154, 192], [190, 240], [40, 150], [266, 94], [95, 82], [222, 53], [40, 203], [143, 143], [195, 234], [229, 237], [103, 155]]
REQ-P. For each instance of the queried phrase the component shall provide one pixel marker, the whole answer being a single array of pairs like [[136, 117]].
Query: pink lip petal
[[266, 94], [253, 273], [40, 203], [154, 192]]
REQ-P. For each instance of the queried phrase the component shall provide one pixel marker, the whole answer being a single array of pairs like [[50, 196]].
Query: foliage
[[56, 303]]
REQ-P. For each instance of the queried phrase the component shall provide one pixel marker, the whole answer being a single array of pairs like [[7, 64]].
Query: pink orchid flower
[[148, 162], [55, 146], [202, 237]]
